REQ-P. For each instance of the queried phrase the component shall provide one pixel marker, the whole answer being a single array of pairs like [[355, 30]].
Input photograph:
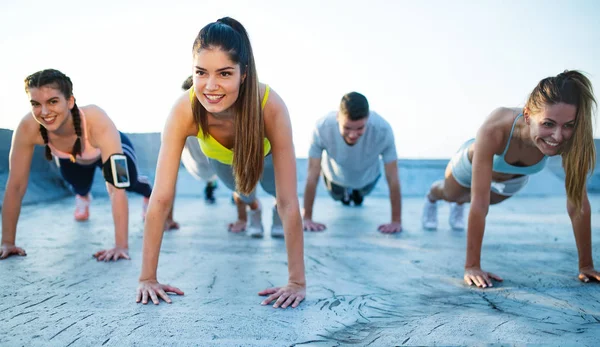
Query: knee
[[243, 199]]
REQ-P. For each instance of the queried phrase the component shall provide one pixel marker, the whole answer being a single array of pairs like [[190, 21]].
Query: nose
[[44, 110], [211, 84], [558, 135]]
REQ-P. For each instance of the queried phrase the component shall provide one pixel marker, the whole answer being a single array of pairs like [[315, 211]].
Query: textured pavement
[[364, 288]]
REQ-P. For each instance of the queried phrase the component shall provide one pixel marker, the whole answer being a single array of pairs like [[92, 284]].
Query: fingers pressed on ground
[[154, 297], [164, 296]]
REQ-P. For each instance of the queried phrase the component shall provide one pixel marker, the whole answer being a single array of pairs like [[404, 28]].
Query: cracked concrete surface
[[364, 288]]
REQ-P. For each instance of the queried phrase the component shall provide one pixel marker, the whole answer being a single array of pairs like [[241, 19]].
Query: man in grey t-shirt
[[353, 139]]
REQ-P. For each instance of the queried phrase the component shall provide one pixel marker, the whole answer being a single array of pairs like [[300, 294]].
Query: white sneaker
[[457, 220], [277, 226], [429, 217], [255, 227]]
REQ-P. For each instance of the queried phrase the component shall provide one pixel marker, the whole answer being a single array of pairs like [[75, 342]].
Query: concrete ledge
[[416, 175]]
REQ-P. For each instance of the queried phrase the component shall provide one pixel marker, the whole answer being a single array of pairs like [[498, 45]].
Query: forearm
[[583, 238], [120, 212], [11, 209], [476, 227], [309, 198], [294, 241], [396, 204], [153, 233]]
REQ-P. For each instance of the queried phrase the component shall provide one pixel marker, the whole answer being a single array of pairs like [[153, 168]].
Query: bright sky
[[433, 69]]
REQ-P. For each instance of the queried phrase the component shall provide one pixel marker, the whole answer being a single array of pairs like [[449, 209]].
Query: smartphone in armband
[[120, 171]]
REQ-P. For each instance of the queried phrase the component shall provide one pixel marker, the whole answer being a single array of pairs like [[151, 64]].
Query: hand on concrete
[[390, 228], [589, 273], [237, 227], [310, 225], [7, 250], [112, 254], [292, 294], [155, 290], [480, 278]]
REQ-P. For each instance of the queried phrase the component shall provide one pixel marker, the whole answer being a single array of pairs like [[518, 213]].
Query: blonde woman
[[512, 144]]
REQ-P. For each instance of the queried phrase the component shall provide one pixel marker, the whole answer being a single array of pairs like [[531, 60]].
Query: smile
[[214, 97], [552, 144], [49, 119]]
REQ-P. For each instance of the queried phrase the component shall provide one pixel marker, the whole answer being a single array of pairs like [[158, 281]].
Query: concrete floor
[[364, 288]]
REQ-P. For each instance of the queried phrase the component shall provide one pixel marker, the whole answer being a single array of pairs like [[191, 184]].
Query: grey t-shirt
[[352, 166]]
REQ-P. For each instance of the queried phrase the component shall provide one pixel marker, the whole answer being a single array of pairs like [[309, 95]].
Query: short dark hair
[[355, 106], [187, 84]]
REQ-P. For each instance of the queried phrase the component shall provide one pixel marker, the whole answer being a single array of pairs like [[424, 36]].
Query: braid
[[44, 133], [77, 123]]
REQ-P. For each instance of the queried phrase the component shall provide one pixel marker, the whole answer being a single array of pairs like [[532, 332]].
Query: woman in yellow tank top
[[245, 131]]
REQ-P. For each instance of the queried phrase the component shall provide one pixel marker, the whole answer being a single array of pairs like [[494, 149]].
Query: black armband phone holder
[[116, 172]]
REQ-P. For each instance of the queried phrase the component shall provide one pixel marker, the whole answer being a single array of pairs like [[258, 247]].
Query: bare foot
[[171, 225], [238, 226]]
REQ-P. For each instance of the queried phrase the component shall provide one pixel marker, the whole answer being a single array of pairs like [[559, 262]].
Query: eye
[[548, 124], [53, 102], [200, 73], [225, 74], [570, 125]]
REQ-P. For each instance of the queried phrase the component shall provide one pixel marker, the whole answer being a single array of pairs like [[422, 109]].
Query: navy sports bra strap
[[510, 135]]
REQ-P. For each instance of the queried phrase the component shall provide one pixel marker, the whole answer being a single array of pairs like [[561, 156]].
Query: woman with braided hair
[[244, 129], [82, 139], [512, 144]]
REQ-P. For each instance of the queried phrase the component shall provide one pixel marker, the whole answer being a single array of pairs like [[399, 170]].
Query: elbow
[[479, 208], [284, 205], [115, 192], [584, 211], [15, 189], [160, 202]]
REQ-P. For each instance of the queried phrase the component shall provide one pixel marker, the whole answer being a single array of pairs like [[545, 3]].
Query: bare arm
[[312, 179], [480, 201], [391, 175], [488, 141], [176, 130], [105, 136], [179, 125], [21, 153], [279, 132], [278, 129], [582, 230]]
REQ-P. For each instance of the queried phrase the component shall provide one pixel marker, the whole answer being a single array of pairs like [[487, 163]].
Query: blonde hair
[[579, 155], [230, 36]]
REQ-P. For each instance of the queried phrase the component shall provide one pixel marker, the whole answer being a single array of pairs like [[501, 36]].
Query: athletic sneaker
[[356, 198], [277, 226], [209, 192], [429, 218], [457, 220], [145, 202], [255, 227], [82, 207]]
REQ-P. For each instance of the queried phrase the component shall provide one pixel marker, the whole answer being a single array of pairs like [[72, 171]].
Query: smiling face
[[552, 128], [49, 106], [351, 130], [217, 80]]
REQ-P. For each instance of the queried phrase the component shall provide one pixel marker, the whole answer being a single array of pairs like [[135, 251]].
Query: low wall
[[416, 175]]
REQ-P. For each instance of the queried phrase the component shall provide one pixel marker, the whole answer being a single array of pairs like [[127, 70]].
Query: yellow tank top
[[214, 149]]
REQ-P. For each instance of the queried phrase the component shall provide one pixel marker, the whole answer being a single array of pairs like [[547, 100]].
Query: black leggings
[[81, 177]]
